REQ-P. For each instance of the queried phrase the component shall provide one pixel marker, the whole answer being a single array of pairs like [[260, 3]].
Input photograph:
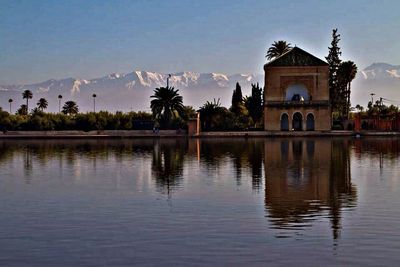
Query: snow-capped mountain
[[382, 79], [130, 91], [381, 71]]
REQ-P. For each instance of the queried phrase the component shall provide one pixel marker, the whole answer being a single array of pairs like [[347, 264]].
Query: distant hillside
[[380, 78], [130, 91]]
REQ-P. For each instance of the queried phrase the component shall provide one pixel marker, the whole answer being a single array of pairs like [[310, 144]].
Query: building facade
[[296, 94]]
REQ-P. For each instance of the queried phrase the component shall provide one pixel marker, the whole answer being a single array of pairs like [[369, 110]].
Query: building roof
[[296, 57]]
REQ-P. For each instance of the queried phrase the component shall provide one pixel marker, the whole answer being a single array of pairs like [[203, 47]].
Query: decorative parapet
[[288, 104]]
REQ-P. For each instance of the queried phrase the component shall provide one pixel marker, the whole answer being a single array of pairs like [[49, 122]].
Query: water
[[259, 202]]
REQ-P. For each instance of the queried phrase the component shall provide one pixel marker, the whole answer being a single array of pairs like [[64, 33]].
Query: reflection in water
[[167, 164], [102, 201], [245, 155], [304, 178]]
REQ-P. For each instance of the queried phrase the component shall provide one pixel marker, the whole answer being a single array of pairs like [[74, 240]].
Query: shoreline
[[121, 134]]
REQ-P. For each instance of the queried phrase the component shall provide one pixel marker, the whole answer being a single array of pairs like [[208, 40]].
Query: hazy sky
[[40, 40]]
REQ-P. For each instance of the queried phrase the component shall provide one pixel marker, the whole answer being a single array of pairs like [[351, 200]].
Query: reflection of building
[[304, 178], [296, 93]]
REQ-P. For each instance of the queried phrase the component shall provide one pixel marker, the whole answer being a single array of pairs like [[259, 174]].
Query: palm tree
[[167, 104], [94, 102], [70, 108], [209, 113], [346, 73], [27, 94], [59, 103], [10, 101], [42, 104], [277, 49]]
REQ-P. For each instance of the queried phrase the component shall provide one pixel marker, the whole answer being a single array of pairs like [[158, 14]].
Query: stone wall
[[322, 117]]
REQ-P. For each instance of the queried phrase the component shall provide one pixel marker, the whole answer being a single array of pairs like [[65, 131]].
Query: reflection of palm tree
[[167, 163], [277, 49]]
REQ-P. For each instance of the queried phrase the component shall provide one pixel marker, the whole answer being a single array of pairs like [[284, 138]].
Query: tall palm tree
[[10, 101], [59, 103], [27, 94], [70, 108], [277, 49], [42, 104], [94, 102], [167, 104], [346, 73]]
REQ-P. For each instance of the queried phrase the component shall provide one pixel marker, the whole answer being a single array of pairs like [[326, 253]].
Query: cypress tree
[[255, 104], [237, 99], [334, 61]]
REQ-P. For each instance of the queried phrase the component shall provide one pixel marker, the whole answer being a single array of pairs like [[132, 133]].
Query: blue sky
[[40, 40]]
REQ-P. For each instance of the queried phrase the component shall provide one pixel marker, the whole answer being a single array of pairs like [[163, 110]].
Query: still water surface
[[259, 202]]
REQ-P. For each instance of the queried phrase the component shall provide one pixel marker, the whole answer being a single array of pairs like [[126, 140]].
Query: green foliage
[[380, 109], [254, 103], [346, 73], [42, 104], [70, 108], [23, 110], [334, 61], [238, 107], [27, 94], [359, 108], [214, 117], [41, 121], [277, 49], [166, 105]]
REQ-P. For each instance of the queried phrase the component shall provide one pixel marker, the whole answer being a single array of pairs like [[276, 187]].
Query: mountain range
[[132, 91], [381, 79]]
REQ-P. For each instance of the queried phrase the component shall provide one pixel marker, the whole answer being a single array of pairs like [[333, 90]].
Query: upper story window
[[297, 92]]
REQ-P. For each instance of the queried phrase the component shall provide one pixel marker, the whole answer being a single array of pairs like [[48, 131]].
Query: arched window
[[310, 122], [297, 122], [297, 92], [284, 122]]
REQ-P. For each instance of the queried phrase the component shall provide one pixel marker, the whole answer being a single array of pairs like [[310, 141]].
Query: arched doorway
[[284, 122], [297, 122], [310, 122]]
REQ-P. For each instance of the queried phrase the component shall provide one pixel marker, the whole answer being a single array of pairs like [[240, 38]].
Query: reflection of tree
[[28, 165], [243, 154], [304, 178], [341, 191], [255, 159], [167, 163], [40, 152], [387, 149]]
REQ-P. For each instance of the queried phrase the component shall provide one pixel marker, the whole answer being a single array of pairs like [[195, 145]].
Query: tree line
[[168, 110]]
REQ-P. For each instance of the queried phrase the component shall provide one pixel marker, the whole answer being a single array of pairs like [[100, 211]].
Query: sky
[[40, 40]]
